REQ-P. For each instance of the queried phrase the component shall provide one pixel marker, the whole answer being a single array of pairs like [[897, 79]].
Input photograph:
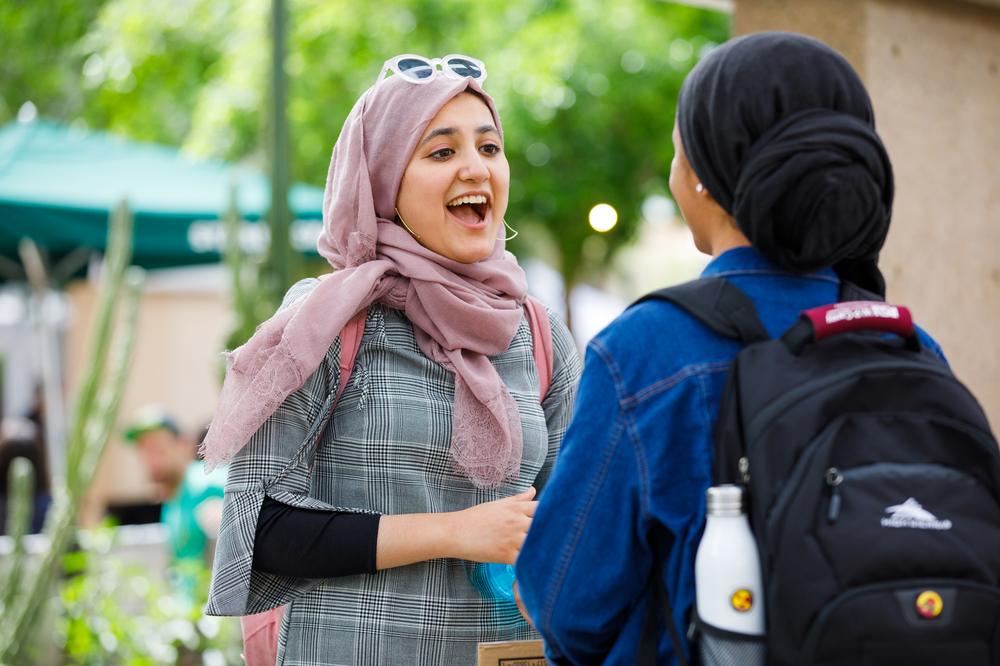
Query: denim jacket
[[636, 462]]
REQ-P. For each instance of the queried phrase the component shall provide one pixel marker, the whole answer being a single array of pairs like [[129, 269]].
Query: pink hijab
[[461, 313]]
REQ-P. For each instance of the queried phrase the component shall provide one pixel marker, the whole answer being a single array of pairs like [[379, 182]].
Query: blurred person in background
[[368, 522], [192, 499]]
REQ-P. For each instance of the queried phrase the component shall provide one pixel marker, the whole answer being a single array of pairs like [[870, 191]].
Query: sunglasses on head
[[418, 69]]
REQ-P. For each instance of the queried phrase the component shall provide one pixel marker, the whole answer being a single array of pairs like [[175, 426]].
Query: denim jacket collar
[[748, 259]]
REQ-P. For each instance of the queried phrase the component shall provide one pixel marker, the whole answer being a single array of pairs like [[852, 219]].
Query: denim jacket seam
[[673, 380], [641, 464], [613, 370], [579, 521], [705, 412]]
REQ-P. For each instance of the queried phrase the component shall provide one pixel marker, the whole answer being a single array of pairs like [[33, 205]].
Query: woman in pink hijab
[[363, 509]]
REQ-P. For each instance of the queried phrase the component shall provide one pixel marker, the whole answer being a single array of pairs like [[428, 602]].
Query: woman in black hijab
[[781, 178], [780, 130]]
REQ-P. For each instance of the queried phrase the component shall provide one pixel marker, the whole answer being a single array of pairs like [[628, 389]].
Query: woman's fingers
[[495, 531]]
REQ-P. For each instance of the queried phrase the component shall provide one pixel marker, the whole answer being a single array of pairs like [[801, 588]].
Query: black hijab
[[780, 130]]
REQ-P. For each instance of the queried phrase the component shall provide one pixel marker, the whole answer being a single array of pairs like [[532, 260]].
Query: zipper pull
[[833, 479], [744, 467]]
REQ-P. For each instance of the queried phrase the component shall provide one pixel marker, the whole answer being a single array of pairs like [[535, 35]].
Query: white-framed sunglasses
[[418, 69]]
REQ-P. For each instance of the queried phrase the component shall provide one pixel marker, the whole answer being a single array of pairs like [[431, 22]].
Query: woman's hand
[[494, 531], [488, 532]]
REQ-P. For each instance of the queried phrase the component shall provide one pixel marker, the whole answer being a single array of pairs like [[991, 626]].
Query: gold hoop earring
[[406, 226], [513, 231]]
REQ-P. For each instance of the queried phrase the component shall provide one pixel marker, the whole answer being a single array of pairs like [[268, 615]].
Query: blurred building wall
[[933, 70], [177, 363]]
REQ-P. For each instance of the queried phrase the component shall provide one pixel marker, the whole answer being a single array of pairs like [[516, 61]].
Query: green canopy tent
[[58, 185]]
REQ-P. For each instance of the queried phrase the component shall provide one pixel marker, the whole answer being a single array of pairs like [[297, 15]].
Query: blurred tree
[[42, 60], [586, 88]]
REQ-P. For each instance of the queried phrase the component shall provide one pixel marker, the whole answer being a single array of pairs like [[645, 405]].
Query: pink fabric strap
[[541, 343], [260, 631], [260, 637], [350, 342]]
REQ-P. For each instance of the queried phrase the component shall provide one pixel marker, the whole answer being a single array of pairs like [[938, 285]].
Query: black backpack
[[874, 488]]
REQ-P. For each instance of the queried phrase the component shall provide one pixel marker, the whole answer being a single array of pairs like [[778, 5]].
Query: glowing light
[[603, 217]]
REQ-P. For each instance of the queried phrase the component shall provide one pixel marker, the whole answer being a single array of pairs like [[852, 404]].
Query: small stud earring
[[406, 226], [699, 188]]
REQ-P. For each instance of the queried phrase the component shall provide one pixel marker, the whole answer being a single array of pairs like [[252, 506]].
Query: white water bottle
[[728, 590]]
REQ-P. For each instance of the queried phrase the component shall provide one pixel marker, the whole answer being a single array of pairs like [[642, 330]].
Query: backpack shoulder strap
[[350, 342], [852, 292], [541, 343], [719, 305], [260, 631]]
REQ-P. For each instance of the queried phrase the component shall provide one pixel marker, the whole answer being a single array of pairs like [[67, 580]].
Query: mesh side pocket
[[718, 647]]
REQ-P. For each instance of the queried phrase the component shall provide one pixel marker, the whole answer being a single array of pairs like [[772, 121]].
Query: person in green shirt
[[192, 499]]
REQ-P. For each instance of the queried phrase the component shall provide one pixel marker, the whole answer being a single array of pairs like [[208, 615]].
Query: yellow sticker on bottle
[[929, 604], [742, 600]]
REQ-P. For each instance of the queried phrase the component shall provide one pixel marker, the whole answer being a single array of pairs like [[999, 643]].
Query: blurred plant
[[115, 612], [249, 305], [21, 485], [252, 303], [96, 411]]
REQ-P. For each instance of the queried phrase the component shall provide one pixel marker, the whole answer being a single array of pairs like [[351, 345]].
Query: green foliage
[[43, 54], [586, 89], [114, 611]]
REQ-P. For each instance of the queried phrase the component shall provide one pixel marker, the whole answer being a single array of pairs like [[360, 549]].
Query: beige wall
[[933, 70], [176, 363]]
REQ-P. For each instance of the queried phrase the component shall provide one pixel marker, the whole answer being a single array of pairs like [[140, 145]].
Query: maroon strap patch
[[837, 318]]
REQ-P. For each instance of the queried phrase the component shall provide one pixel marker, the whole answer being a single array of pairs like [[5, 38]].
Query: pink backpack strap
[[350, 342], [260, 637], [541, 343], [260, 631]]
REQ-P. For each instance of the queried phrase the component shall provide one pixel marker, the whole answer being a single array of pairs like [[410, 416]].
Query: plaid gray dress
[[385, 451]]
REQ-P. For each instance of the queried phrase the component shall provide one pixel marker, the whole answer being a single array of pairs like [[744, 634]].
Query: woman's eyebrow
[[450, 131], [440, 131]]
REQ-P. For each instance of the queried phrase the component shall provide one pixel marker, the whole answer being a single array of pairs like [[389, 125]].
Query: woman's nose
[[474, 168]]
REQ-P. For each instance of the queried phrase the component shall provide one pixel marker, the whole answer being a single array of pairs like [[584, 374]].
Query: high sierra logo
[[911, 515]]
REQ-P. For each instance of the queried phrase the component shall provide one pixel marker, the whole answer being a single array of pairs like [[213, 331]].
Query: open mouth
[[470, 209]]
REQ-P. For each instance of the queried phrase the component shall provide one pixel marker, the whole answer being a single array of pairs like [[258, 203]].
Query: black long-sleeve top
[[308, 543]]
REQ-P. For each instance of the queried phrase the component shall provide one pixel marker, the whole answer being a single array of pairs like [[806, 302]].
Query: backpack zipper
[[834, 479], [775, 517], [744, 466]]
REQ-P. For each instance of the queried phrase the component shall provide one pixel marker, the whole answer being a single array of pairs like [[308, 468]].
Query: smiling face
[[453, 195]]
